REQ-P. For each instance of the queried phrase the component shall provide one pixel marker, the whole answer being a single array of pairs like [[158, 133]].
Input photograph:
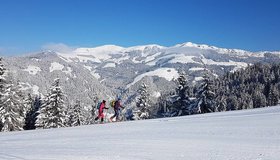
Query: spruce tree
[[143, 103], [2, 72], [259, 99], [181, 102], [221, 103], [34, 105], [3, 82], [12, 108], [232, 103], [75, 115], [89, 116], [205, 95], [273, 96], [2, 89], [52, 113]]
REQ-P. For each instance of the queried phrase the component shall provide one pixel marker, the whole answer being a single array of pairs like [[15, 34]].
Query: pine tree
[[221, 103], [143, 103], [181, 103], [2, 71], [3, 81], [52, 112], [232, 103], [245, 101], [205, 95], [34, 105], [75, 115], [162, 105], [12, 109], [273, 96], [259, 99], [89, 116], [2, 89]]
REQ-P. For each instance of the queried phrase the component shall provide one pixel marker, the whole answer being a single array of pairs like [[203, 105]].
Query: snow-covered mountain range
[[110, 70]]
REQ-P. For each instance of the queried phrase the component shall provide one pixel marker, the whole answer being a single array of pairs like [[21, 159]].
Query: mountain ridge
[[108, 71]]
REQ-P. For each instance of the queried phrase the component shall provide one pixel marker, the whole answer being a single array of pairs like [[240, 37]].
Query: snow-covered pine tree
[[232, 103], [87, 116], [2, 78], [205, 95], [273, 96], [2, 88], [2, 71], [221, 98], [11, 108], [245, 101], [143, 103], [259, 99], [52, 113], [93, 111], [75, 115], [3, 82], [162, 105], [32, 105], [28, 103], [180, 100], [221, 104]]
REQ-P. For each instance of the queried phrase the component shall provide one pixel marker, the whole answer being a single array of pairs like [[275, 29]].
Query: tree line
[[256, 86]]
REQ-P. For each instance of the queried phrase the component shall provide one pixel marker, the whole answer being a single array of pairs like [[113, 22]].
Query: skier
[[117, 107], [100, 111]]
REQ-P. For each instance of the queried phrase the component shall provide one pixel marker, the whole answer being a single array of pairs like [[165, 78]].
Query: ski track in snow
[[237, 135]]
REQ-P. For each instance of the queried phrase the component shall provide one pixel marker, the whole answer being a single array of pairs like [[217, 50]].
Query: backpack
[[112, 104], [98, 105]]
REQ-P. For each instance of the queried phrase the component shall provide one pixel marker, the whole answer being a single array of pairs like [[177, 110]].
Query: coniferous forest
[[256, 86]]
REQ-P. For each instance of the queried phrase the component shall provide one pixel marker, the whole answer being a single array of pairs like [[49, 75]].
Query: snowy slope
[[96, 54], [33, 70], [109, 69], [167, 73], [237, 135]]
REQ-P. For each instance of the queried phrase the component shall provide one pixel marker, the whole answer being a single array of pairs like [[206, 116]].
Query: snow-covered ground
[[238, 135], [33, 69], [167, 73], [56, 66]]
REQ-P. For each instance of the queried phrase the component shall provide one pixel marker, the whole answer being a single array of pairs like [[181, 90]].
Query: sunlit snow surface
[[238, 135], [56, 66], [32, 69], [167, 73]]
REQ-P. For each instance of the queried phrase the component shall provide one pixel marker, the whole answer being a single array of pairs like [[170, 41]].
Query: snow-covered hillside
[[110, 70], [238, 135]]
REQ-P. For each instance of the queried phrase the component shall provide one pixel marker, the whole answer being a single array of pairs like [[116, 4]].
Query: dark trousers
[[117, 113], [102, 119]]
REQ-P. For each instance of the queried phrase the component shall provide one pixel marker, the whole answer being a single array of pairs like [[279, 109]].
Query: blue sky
[[33, 25]]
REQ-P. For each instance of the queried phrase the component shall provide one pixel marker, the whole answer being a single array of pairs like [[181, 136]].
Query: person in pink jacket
[[100, 111]]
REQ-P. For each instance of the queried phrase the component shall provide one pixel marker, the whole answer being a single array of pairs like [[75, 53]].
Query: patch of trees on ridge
[[256, 86]]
